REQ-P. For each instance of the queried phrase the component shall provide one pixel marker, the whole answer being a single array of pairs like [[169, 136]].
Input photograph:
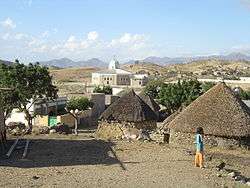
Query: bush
[[107, 90]]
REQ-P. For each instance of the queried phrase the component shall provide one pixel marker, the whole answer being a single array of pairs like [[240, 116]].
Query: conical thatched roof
[[149, 101], [130, 108], [218, 111]]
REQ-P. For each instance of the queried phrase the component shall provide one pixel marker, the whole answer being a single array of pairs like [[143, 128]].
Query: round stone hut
[[126, 116], [223, 116]]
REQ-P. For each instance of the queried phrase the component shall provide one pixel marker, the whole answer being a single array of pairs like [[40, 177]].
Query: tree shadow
[[57, 152]]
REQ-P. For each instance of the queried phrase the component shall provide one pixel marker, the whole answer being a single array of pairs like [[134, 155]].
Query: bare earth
[[82, 161]]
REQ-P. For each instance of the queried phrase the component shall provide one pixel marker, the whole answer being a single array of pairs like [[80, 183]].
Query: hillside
[[145, 68], [72, 74]]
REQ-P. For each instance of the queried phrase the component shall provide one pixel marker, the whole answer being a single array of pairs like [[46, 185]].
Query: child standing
[[199, 156]]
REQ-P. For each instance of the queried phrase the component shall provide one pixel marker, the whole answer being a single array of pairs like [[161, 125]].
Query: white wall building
[[118, 78]]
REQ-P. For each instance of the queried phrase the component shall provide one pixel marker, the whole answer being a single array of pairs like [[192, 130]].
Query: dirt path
[[67, 161]]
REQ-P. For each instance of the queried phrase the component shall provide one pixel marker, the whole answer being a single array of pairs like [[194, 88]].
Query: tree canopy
[[81, 103], [104, 89], [182, 93], [29, 83]]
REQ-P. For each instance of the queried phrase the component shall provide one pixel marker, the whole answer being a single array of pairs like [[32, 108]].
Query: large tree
[[175, 95], [153, 87], [29, 83]]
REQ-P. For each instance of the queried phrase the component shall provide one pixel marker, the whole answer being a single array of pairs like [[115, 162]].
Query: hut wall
[[115, 130], [145, 125], [187, 139], [109, 130]]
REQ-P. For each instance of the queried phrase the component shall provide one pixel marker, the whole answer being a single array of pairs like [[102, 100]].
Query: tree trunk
[[29, 120], [76, 125]]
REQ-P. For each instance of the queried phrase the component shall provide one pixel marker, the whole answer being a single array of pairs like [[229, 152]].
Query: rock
[[63, 129], [221, 166], [232, 174], [16, 128], [237, 178], [248, 183], [40, 130], [243, 181], [35, 177], [219, 175], [52, 131]]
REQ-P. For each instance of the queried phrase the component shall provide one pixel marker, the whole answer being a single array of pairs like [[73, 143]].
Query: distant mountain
[[95, 62], [177, 60], [5, 62], [66, 63]]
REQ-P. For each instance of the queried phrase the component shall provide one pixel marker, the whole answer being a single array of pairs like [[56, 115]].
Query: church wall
[[123, 79]]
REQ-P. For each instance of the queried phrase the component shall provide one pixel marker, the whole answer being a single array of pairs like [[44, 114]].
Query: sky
[[40, 30]]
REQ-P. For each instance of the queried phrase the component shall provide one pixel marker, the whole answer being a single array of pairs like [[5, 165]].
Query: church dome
[[114, 64]]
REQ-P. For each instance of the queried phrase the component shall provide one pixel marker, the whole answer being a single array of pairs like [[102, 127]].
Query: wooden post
[[76, 124], [26, 149], [12, 148]]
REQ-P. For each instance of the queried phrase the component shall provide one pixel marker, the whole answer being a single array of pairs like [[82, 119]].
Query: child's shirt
[[199, 143]]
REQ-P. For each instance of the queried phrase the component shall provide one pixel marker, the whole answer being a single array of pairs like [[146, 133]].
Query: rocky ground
[[82, 161]]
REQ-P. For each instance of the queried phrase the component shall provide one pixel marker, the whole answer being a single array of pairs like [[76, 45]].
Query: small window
[[107, 78], [104, 78], [110, 78], [139, 82], [107, 82]]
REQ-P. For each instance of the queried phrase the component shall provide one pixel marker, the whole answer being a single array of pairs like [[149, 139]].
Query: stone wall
[[188, 139], [115, 130]]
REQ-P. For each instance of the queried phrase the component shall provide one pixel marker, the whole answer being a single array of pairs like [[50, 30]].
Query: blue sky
[[36, 30]]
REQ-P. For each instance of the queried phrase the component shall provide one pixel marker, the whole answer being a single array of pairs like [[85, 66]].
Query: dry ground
[[82, 161]]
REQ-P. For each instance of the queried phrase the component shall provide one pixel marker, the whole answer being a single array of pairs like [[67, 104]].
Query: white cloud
[[45, 34], [93, 35], [21, 36], [127, 46], [8, 23], [6, 36], [72, 38]]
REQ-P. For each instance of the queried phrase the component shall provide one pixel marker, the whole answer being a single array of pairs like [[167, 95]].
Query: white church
[[116, 77]]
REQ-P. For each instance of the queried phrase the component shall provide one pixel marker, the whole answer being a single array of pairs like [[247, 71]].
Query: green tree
[[30, 83], [107, 90], [206, 86], [75, 106], [175, 95], [81, 103], [153, 87]]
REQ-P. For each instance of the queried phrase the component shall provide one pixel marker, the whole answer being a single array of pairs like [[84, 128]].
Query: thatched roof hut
[[219, 111], [129, 108], [150, 102]]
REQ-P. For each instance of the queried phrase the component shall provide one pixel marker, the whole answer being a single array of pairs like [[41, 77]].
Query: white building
[[117, 77], [40, 107]]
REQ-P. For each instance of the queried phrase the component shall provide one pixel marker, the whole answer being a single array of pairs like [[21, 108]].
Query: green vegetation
[[153, 87], [244, 95], [175, 95], [206, 86], [107, 90], [81, 103], [28, 83]]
